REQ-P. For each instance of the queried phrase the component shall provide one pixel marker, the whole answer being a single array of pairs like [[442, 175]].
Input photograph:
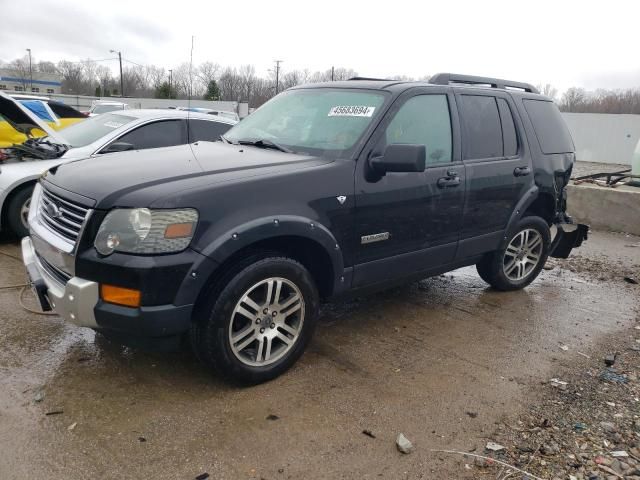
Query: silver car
[[97, 136]]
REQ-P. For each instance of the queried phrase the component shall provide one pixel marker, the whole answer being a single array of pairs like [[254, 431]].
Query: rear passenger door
[[497, 164]]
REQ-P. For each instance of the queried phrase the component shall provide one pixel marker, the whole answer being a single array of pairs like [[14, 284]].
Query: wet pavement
[[440, 360]]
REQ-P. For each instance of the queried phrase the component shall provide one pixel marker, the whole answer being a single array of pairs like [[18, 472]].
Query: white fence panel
[[603, 137]]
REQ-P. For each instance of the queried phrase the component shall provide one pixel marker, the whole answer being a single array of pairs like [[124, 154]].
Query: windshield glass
[[90, 130], [105, 108], [318, 121]]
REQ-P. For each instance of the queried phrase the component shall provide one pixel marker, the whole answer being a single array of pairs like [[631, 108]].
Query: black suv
[[327, 189]]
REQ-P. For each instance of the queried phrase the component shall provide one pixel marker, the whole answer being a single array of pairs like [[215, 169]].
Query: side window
[[424, 120], [204, 130], [509, 136], [553, 134], [154, 135], [482, 127]]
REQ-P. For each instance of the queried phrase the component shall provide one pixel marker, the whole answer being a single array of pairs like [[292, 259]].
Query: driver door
[[410, 222]]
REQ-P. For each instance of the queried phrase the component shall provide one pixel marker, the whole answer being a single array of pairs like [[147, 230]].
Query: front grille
[[62, 216], [60, 275]]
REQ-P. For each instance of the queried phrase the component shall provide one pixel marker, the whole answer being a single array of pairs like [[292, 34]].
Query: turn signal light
[[120, 296], [179, 230]]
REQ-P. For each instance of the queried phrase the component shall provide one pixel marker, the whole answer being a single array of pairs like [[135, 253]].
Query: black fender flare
[[516, 215], [230, 242]]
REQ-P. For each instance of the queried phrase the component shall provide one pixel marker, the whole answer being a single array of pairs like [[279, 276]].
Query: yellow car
[[43, 113]]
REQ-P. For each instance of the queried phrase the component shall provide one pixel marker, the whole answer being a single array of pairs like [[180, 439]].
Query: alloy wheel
[[523, 254], [266, 322], [24, 213]]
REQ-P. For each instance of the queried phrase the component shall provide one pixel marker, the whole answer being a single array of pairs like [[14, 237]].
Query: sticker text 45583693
[[351, 111]]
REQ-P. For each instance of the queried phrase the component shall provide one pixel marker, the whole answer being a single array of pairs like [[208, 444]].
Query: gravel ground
[[448, 362]]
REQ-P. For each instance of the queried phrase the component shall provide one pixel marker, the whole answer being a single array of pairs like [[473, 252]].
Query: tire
[[513, 267], [18, 210], [242, 335]]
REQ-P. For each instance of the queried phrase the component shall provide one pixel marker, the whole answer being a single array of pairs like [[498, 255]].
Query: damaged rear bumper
[[569, 236]]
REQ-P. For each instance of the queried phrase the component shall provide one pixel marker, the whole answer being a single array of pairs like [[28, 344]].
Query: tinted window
[[64, 111], [158, 134], [482, 127], [509, 137], [203, 130], [553, 135], [424, 120]]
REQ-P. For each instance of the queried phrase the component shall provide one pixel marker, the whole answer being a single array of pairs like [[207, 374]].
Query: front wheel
[[520, 261], [18, 211], [259, 320]]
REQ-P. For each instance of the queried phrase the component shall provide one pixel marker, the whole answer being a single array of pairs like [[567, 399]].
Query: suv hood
[[140, 177]]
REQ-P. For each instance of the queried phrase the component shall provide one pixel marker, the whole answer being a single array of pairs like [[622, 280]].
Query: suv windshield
[[106, 108], [90, 130], [318, 121]]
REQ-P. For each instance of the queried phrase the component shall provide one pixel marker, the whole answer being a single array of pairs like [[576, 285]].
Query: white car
[[96, 136], [103, 106], [210, 111]]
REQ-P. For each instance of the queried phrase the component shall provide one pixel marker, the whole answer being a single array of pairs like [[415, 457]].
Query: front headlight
[[142, 230]]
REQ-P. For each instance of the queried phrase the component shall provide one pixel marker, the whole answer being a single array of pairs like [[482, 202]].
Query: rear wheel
[[259, 321], [519, 262], [18, 211]]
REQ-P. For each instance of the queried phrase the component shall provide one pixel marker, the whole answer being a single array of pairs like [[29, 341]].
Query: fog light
[[120, 296]]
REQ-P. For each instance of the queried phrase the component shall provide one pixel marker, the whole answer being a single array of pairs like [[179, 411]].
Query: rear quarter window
[[551, 131]]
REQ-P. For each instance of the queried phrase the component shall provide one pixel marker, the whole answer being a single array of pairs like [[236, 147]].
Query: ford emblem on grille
[[52, 210]]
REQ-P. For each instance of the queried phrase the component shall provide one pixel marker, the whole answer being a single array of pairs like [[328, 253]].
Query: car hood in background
[[22, 120]]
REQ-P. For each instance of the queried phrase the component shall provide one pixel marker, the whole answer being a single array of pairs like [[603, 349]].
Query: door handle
[[446, 182], [521, 171]]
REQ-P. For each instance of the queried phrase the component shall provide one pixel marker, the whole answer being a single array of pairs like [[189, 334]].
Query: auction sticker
[[351, 111]]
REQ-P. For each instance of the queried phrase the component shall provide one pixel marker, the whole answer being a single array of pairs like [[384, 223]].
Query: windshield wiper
[[264, 143]]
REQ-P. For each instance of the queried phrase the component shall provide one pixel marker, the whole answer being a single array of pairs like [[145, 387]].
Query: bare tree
[[548, 90], [206, 72], [182, 82], [247, 75], [47, 67], [573, 99], [72, 77], [230, 84], [105, 78], [21, 66]]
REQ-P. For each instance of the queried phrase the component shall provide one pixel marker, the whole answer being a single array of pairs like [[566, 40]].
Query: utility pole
[[121, 78], [30, 70], [332, 72], [170, 78], [278, 62]]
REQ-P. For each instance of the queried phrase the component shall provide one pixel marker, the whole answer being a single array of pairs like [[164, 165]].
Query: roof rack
[[371, 79], [448, 78]]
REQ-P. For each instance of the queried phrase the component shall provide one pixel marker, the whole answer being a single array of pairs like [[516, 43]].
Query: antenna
[[189, 94], [190, 74]]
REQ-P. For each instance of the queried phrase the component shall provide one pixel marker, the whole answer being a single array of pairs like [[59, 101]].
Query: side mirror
[[400, 157], [118, 147]]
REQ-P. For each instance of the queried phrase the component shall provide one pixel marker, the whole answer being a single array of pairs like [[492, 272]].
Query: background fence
[[603, 137], [83, 103]]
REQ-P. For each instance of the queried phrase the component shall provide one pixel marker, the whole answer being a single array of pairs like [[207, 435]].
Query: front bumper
[[78, 301], [74, 301]]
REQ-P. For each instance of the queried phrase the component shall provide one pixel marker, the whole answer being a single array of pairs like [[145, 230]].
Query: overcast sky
[[565, 43]]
